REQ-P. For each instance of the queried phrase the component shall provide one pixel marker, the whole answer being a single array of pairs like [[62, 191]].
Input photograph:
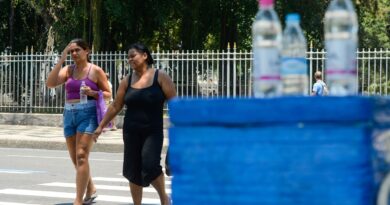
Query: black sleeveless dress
[[143, 133]]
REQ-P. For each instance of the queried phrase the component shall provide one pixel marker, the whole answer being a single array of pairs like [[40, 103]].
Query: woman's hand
[[88, 91], [97, 133], [57, 75], [65, 51]]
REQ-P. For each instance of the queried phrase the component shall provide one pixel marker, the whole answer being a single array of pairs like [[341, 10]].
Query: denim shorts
[[80, 118]]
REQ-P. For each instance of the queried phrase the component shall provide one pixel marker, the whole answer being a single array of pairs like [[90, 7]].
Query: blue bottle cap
[[293, 17]]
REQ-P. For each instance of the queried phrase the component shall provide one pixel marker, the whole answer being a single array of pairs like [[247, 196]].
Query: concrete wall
[[51, 120]]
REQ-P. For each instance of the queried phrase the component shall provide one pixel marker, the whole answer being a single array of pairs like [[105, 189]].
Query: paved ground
[[41, 137], [47, 177]]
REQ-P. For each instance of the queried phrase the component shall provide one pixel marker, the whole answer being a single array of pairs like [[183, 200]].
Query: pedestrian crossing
[[110, 190], [102, 187]]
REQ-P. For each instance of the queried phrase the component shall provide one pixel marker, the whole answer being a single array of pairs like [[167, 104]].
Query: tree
[[96, 22], [312, 14], [374, 18], [171, 24]]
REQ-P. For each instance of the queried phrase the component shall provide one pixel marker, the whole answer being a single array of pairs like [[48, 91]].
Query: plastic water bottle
[[341, 41], [83, 96], [294, 66], [267, 41]]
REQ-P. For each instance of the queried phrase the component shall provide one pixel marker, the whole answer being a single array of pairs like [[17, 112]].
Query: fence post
[[387, 66], [219, 73], [234, 70], [363, 66], [29, 95], [357, 70], [380, 70], [157, 57], [369, 71], [228, 70], [309, 57], [250, 78], [24, 88], [375, 69]]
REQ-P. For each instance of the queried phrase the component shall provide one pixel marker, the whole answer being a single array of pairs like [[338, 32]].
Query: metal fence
[[200, 74]]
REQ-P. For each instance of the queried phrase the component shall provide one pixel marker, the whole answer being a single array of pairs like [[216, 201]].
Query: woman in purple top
[[80, 120]]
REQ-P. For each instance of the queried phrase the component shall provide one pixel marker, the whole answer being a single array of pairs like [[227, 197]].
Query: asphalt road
[[37, 176]]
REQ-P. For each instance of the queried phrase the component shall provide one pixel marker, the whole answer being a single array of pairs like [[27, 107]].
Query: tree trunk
[[50, 41], [229, 30], [11, 25], [96, 24], [190, 25], [85, 20]]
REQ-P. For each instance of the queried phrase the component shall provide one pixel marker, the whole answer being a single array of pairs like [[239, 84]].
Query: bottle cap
[[266, 2], [293, 17]]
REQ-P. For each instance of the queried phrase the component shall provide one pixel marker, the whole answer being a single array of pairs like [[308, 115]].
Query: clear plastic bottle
[[293, 70], [267, 41], [83, 96], [341, 41]]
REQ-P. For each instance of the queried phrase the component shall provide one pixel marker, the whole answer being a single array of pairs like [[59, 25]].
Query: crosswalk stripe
[[66, 158], [26, 192], [51, 194], [18, 171], [110, 179], [102, 187], [10, 203]]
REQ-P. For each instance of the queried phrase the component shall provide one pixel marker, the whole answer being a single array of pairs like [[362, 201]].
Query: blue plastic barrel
[[278, 151], [381, 145]]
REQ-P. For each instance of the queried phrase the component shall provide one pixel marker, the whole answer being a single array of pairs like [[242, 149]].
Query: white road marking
[[10, 203], [52, 194], [102, 187], [44, 157], [110, 179], [19, 171]]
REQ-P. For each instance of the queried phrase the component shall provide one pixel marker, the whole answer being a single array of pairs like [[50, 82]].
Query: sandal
[[90, 199]]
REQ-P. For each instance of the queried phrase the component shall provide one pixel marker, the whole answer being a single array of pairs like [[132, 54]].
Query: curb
[[110, 148], [39, 137], [6, 143]]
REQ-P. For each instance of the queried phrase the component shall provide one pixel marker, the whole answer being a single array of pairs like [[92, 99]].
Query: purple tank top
[[72, 86]]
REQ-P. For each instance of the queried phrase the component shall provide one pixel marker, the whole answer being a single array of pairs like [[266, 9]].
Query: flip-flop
[[89, 200]]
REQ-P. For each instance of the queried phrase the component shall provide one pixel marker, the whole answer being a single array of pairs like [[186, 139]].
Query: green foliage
[[69, 24], [374, 17], [378, 89], [4, 28], [312, 14], [171, 24], [211, 42]]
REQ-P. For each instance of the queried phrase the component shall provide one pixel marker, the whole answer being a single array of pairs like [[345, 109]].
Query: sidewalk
[[42, 137]]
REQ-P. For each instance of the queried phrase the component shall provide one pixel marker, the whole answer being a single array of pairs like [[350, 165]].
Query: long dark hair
[[84, 45], [142, 49]]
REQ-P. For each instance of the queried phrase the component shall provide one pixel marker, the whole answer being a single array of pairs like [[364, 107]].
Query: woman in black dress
[[144, 93]]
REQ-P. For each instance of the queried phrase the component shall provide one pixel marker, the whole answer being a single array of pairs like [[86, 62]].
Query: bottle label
[[293, 66], [266, 63], [341, 57]]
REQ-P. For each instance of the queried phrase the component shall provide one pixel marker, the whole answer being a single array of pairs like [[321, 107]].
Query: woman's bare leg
[[84, 143], [159, 185], [71, 144], [136, 193]]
